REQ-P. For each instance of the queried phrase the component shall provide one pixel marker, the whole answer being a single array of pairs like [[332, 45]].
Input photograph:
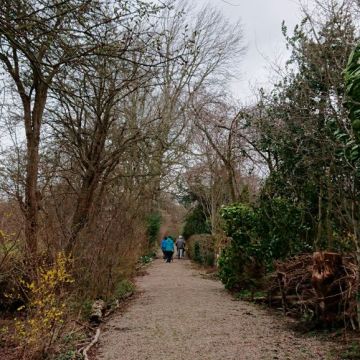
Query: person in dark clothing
[[169, 248]]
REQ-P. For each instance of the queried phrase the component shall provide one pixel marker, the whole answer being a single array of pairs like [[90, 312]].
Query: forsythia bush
[[46, 307]]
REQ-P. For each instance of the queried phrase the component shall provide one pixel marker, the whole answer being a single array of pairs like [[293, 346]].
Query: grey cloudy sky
[[261, 21]]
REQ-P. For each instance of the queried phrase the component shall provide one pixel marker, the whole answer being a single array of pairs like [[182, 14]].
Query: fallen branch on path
[[93, 342]]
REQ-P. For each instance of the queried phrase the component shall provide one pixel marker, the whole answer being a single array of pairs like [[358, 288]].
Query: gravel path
[[182, 315]]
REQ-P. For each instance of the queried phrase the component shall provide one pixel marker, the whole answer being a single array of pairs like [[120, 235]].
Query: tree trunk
[[232, 182], [31, 198], [32, 127], [319, 233], [83, 207], [355, 224]]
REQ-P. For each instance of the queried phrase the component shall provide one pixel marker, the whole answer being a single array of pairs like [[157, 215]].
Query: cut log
[[97, 311], [327, 267]]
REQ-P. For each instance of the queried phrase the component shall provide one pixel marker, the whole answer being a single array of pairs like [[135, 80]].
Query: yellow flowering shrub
[[46, 308]]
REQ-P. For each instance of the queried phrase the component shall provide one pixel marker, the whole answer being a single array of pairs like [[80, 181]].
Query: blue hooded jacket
[[169, 244], [163, 244]]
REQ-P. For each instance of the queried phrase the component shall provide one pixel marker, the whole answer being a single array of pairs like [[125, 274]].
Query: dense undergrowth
[[45, 309], [201, 249]]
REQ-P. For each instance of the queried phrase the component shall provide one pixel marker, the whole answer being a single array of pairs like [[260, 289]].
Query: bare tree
[[209, 47], [38, 41]]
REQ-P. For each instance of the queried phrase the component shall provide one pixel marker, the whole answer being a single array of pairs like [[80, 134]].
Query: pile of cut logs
[[322, 285]]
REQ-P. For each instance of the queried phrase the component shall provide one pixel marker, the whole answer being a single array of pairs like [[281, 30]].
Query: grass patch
[[146, 259], [351, 351], [124, 289], [249, 294]]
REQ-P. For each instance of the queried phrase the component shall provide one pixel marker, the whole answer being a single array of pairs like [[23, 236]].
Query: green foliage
[[306, 137], [197, 253], [274, 229], [352, 93], [69, 355], [231, 267], [123, 289], [209, 259], [352, 352], [249, 295], [282, 228], [239, 224], [147, 258], [352, 83], [153, 228], [200, 248], [196, 223], [240, 220]]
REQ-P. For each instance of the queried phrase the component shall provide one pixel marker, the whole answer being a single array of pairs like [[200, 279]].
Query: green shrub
[[231, 267], [274, 229], [196, 223], [200, 248], [209, 259], [282, 228], [153, 228], [123, 289], [197, 253], [249, 295], [145, 259], [238, 261], [69, 355], [352, 351]]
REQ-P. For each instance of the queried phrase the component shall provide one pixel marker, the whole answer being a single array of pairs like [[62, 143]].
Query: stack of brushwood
[[321, 286]]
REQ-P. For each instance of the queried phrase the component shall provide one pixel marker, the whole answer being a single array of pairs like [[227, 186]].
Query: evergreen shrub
[[153, 228], [201, 249]]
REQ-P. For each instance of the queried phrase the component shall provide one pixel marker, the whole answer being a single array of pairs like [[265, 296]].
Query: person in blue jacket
[[163, 246], [169, 248]]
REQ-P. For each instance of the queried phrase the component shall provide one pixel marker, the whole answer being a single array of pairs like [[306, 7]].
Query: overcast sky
[[261, 21]]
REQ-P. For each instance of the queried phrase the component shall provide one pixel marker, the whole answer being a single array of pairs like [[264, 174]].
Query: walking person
[[169, 248], [180, 246], [163, 246]]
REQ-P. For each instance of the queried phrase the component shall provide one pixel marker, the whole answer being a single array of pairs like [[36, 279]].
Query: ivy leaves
[[352, 103]]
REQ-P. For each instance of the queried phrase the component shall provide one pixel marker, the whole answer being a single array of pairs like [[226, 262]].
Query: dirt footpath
[[182, 315]]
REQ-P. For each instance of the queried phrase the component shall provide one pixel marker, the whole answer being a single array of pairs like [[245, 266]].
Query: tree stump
[[97, 311], [327, 267]]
